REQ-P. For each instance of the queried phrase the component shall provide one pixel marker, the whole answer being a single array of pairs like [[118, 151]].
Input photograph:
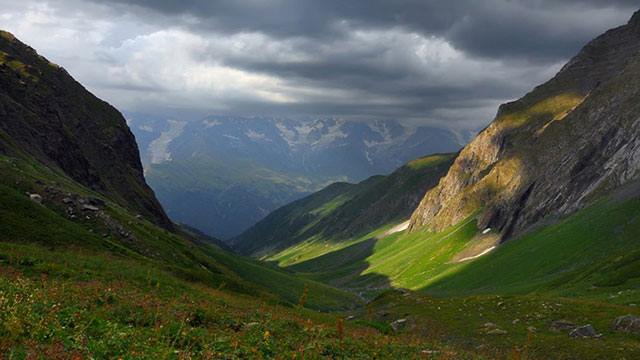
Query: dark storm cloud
[[442, 62], [533, 29]]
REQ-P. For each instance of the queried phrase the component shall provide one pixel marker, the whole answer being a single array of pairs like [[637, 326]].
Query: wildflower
[[266, 336]]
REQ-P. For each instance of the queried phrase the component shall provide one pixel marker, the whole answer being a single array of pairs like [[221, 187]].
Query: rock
[[87, 207], [627, 323], [36, 198], [67, 200], [430, 352], [562, 326], [552, 179], [585, 331], [95, 201], [251, 324], [497, 332], [490, 328], [532, 329], [398, 324], [350, 317]]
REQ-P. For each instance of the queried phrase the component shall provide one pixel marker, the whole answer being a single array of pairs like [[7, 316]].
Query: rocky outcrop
[[555, 150], [45, 114]]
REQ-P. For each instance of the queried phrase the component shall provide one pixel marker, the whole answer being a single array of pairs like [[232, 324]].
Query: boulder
[[562, 326], [585, 331], [398, 324], [96, 202], [36, 198], [87, 207], [627, 323]]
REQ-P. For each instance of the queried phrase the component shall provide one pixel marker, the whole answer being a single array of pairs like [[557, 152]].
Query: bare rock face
[[47, 115], [555, 150]]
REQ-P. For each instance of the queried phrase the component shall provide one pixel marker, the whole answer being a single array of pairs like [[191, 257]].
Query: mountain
[[344, 210], [224, 174], [43, 109], [91, 268], [86, 273], [555, 151], [531, 232]]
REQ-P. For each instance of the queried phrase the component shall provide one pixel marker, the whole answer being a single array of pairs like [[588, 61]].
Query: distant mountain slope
[[554, 151], [223, 174], [45, 113], [343, 210], [71, 187]]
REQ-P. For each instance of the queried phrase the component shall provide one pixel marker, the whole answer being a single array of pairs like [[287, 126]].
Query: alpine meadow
[[319, 179]]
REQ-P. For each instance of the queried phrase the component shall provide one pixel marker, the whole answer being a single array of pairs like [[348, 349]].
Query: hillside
[[556, 174], [556, 150], [345, 211], [239, 169], [84, 273], [48, 116]]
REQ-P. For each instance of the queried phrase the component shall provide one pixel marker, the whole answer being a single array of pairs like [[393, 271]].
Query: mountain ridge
[[44, 108], [239, 169], [521, 170], [343, 211]]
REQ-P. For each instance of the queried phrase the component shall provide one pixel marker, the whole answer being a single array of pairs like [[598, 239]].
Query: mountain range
[[223, 174], [523, 244]]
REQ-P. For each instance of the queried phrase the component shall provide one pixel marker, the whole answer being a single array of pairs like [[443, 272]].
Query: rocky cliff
[[548, 154], [47, 115]]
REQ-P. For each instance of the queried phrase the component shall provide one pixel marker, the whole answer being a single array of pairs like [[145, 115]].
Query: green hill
[[344, 211]]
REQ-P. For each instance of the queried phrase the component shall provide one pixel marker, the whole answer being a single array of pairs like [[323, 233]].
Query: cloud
[[444, 63]]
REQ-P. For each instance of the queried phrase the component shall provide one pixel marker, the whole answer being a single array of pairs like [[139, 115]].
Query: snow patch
[[159, 148], [254, 135], [210, 123], [400, 227], [486, 251], [147, 128]]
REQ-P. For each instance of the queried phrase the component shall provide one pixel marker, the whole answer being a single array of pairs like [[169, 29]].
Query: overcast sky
[[448, 63]]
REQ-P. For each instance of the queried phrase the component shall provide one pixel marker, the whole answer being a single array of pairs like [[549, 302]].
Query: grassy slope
[[76, 303], [598, 246], [343, 212], [584, 269], [69, 288], [24, 221], [192, 188]]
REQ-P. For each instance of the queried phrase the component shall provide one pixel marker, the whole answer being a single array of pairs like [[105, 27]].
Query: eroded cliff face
[[47, 115], [553, 151]]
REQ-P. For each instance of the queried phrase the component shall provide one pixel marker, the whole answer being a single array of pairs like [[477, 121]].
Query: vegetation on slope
[[46, 114], [345, 211]]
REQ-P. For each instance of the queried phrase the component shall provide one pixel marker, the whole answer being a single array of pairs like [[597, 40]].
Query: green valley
[[525, 244]]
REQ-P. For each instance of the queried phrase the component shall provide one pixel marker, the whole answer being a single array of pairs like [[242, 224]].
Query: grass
[[78, 304], [27, 222], [592, 253], [342, 213], [583, 269]]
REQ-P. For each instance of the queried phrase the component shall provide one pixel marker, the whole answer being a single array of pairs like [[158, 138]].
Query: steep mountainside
[[48, 115], [224, 174], [554, 151], [71, 181], [345, 211]]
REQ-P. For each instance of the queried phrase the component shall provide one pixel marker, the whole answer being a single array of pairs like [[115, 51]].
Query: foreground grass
[[77, 304], [525, 324]]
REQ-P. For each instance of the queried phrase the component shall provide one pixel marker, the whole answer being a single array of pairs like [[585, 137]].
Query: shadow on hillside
[[344, 269]]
